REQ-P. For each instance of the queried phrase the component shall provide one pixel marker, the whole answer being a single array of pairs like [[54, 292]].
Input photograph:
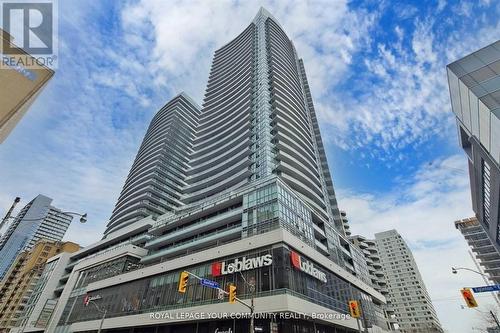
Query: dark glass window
[[159, 292]]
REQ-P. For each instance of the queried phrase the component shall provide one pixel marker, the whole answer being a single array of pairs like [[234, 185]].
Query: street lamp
[[455, 270], [486, 277], [83, 217]]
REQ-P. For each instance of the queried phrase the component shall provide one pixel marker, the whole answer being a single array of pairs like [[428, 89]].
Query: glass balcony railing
[[192, 243]]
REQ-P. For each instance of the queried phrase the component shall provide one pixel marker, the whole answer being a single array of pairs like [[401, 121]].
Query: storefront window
[[160, 292]]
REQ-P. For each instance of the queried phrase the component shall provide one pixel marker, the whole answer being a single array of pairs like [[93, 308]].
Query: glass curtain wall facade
[[257, 120], [474, 83], [36, 294], [159, 292], [37, 220], [248, 164]]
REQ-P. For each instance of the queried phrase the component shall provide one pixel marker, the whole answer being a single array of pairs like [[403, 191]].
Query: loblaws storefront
[[275, 270]]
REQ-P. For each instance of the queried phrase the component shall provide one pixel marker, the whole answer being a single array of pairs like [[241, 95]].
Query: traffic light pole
[[365, 321], [359, 326], [356, 311], [102, 320], [250, 306], [104, 312]]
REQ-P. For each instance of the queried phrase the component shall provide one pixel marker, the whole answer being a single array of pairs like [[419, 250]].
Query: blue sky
[[377, 74]]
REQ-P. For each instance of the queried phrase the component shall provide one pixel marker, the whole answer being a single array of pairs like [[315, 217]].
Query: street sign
[[484, 289], [209, 283]]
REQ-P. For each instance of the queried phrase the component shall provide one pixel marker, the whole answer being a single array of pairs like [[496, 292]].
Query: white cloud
[[326, 34], [436, 191], [78, 140], [423, 209], [464, 8], [441, 5], [401, 96], [404, 11], [72, 145]]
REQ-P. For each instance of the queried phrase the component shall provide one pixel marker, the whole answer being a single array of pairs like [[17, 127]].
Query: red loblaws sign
[[306, 266]]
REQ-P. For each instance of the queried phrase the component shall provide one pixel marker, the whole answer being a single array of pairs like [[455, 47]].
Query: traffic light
[[354, 309], [468, 297], [183, 281], [232, 294]]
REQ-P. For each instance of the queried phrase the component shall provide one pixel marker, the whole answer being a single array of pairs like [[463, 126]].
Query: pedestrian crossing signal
[[468, 297]]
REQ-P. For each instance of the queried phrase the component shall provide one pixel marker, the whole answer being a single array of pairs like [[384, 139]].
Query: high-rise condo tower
[[235, 191]]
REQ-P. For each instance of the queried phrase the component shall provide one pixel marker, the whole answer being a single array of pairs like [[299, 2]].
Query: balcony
[[321, 247], [318, 232], [195, 228], [59, 288], [350, 267], [194, 244], [484, 256], [362, 245], [370, 243]]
